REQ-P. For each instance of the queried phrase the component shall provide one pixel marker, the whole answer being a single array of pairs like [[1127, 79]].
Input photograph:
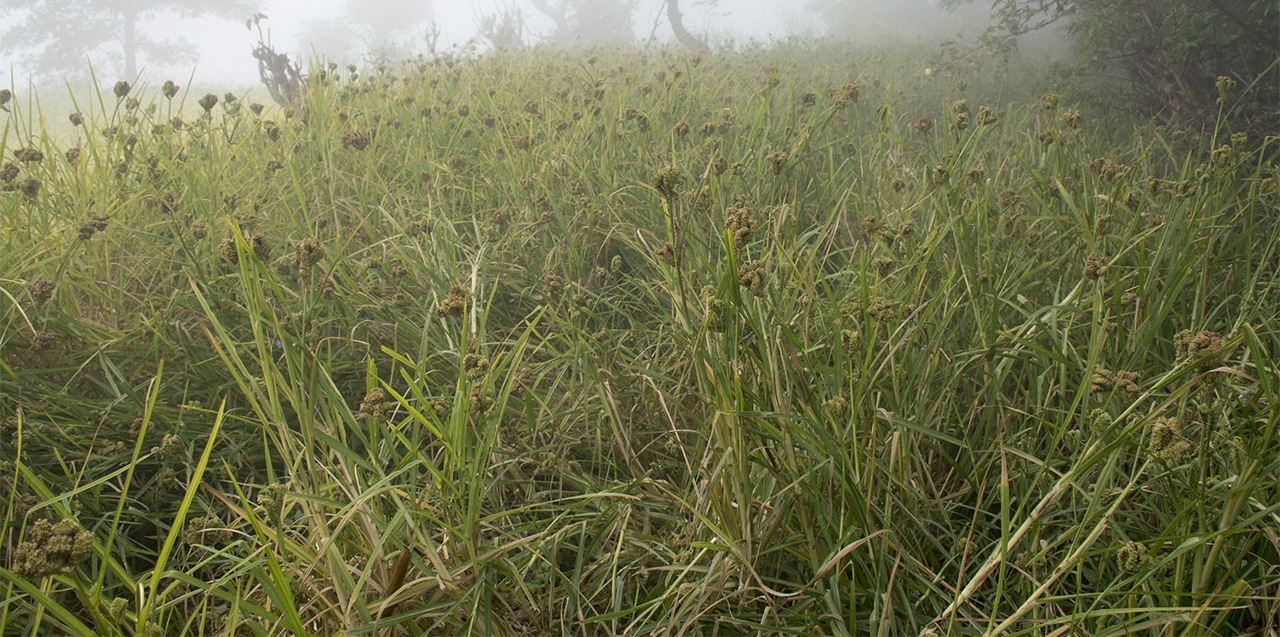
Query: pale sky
[[224, 46]]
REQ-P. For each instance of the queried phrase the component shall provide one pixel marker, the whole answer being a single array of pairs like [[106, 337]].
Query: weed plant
[[802, 340]]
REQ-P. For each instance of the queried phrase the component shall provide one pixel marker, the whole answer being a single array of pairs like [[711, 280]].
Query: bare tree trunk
[[677, 27], [557, 14], [130, 45]]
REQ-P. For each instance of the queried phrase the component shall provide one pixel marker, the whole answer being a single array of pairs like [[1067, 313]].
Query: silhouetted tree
[[683, 36], [56, 35], [504, 29], [589, 22]]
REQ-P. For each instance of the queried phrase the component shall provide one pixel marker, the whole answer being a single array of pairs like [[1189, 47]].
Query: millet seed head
[[261, 247], [455, 303], [51, 549], [752, 276], [375, 404], [41, 291], [228, 254], [475, 366], [272, 500], [667, 180], [666, 253], [741, 225], [308, 252], [552, 284], [1094, 267], [1132, 557], [1167, 444]]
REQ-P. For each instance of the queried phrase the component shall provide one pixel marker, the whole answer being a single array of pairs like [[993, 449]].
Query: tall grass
[[633, 342]]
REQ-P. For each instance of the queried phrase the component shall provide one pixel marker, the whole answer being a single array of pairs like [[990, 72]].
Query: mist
[[211, 47]]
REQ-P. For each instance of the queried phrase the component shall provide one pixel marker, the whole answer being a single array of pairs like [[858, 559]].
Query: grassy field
[[789, 341]]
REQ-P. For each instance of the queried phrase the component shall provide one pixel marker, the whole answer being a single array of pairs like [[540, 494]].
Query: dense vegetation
[[806, 340]]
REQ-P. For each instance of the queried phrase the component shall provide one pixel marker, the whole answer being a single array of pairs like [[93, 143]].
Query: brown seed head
[[41, 291]]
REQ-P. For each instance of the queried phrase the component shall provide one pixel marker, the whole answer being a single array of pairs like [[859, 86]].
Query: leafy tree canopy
[[55, 36], [1169, 53]]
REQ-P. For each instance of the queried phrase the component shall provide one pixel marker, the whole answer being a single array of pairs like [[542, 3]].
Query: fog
[[209, 41]]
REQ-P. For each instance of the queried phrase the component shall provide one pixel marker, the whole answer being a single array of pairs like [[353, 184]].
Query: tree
[[55, 35], [504, 28], [589, 22], [1170, 53], [676, 19], [387, 18], [876, 22]]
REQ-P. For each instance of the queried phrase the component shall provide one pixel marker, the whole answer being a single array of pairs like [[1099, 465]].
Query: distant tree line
[[55, 36], [1170, 54]]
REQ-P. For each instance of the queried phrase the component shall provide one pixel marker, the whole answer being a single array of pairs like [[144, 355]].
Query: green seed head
[[51, 549], [455, 303], [1226, 86], [308, 252], [752, 276], [716, 315], [1132, 557], [1167, 445], [667, 180], [475, 366], [171, 448], [1094, 267], [850, 342], [227, 253], [480, 398], [375, 404], [741, 225], [272, 500], [777, 161], [881, 310], [666, 253], [1191, 346], [261, 247], [838, 408]]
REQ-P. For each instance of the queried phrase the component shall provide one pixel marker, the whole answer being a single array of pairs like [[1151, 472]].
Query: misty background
[[50, 43]]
